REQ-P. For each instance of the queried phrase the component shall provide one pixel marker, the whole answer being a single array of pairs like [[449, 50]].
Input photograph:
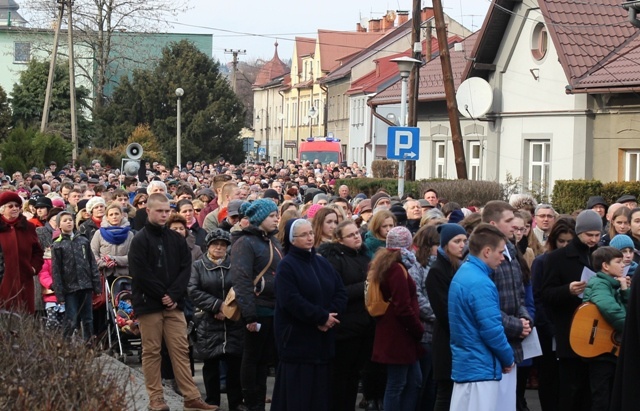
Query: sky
[[255, 26]]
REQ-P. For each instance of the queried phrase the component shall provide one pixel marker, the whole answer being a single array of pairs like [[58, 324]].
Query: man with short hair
[[544, 216], [431, 196], [481, 355], [160, 267], [343, 192], [562, 289], [507, 277]]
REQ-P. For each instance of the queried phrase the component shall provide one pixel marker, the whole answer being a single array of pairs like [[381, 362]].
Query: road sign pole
[[403, 123]]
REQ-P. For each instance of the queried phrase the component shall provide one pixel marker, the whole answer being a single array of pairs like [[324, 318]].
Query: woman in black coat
[[310, 299], [438, 281], [216, 338], [354, 335]]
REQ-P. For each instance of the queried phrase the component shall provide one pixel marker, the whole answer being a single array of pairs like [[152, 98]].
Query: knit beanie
[[400, 213], [588, 220], [377, 197], [621, 241], [82, 204], [399, 237], [456, 216], [258, 210], [320, 196], [311, 212], [271, 193], [94, 201], [448, 231]]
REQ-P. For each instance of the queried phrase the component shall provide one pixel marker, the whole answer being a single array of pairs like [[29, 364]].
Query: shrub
[[571, 195], [27, 147], [41, 371], [384, 169], [463, 191]]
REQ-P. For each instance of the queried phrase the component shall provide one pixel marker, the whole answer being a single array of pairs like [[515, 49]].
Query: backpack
[[373, 299]]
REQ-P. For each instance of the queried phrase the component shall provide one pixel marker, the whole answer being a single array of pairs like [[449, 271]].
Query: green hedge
[[571, 195], [460, 191]]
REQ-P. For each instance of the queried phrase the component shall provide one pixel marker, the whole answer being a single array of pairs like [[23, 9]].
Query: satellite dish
[[474, 97]]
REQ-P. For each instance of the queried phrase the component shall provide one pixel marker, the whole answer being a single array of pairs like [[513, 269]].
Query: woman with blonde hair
[[284, 217], [379, 226], [339, 211], [620, 224], [110, 244], [324, 222]]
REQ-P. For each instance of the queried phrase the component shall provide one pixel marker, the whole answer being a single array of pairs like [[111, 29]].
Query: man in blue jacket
[[479, 347]]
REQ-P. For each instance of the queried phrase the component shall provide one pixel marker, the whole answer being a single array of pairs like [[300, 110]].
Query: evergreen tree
[[212, 115]]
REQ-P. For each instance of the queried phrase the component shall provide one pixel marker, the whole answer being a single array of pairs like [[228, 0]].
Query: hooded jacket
[[73, 266], [119, 252], [208, 287], [249, 256]]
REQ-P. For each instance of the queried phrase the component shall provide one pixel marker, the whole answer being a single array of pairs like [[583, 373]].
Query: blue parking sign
[[403, 143]]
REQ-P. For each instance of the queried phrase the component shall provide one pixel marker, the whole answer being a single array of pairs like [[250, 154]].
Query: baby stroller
[[124, 325]]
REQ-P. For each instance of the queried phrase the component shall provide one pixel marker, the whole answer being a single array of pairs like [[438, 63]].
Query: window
[[632, 165], [294, 115], [439, 159], [539, 154], [474, 160], [21, 52], [539, 41]]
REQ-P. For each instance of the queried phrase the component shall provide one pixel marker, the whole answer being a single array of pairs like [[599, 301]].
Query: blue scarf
[[115, 235]]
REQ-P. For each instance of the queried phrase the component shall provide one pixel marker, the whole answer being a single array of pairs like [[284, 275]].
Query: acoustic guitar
[[590, 333]]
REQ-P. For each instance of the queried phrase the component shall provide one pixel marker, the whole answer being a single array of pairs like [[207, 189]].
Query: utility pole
[[72, 89], [235, 54], [52, 69], [449, 90], [414, 78]]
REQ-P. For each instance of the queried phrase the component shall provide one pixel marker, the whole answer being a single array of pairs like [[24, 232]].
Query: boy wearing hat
[[561, 285], [624, 243]]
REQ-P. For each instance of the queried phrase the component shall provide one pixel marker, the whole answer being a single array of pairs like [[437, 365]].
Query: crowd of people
[[259, 266]]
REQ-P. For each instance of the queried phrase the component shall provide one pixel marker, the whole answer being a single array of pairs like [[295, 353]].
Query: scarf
[[115, 235]]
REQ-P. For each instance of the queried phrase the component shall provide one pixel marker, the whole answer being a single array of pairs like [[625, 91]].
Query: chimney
[[403, 17], [360, 29], [374, 25], [426, 14], [388, 21]]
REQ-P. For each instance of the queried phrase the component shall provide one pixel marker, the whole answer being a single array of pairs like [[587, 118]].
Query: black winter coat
[[159, 264], [437, 285], [352, 266], [562, 267], [88, 229], [307, 290], [73, 266], [249, 256], [208, 287]]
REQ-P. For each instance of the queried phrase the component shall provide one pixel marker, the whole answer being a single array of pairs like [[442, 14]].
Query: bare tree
[[110, 31]]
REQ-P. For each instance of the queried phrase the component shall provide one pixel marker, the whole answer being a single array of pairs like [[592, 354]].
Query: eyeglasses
[[352, 235], [519, 229], [12, 205], [546, 216], [197, 210], [142, 202], [307, 234]]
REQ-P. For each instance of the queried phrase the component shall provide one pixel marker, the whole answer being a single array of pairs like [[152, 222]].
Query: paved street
[[174, 401]]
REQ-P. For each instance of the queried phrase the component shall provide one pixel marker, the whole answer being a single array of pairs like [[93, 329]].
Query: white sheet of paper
[[531, 345], [587, 274]]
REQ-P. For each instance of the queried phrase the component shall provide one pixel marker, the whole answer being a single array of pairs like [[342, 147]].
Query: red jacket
[[22, 261], [398, 331]]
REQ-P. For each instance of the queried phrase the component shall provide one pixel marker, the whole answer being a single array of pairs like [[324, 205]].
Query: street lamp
[[313, 113], [179, 94], [405, 65]]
